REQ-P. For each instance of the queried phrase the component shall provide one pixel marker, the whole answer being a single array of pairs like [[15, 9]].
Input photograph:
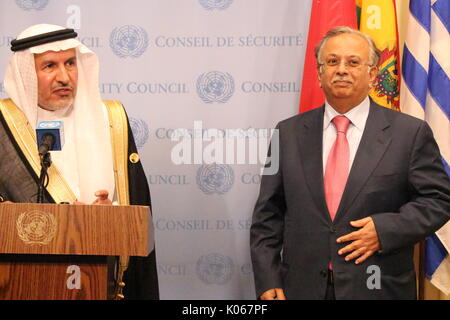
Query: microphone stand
[[45, 164]]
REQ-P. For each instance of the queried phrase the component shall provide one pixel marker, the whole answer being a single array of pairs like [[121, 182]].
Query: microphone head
[[50, 133]]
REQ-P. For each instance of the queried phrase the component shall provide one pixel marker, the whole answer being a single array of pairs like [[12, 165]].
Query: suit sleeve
[[429, 207], [266, 232]]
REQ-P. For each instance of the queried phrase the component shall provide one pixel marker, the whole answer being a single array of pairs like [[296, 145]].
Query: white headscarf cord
[[86, 158]]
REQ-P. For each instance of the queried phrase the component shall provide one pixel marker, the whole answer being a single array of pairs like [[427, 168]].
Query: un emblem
[[128, 41], [32, 4], [36, 227], [216, 4], [215, 268], [140, 131], [215, 178], [215, 86]]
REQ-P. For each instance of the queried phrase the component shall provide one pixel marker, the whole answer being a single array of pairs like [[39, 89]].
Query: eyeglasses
[[351, 63]]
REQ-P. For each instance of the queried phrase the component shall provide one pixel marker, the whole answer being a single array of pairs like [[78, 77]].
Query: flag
[[358, 11], [425, 93], [378, 20], [325, 15]]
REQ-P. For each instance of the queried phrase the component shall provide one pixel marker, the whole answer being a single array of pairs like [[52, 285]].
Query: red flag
[[325, 15]]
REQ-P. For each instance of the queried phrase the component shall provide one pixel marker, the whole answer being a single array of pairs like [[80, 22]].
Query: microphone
[[47, 143], [50, 136]]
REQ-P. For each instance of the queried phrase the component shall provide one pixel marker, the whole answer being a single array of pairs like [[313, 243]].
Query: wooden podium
[[69, 252]]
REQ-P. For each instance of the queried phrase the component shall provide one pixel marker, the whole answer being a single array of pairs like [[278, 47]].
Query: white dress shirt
[[358, 118]]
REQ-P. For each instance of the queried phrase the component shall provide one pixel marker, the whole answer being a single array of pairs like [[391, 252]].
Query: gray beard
[[55, 107]]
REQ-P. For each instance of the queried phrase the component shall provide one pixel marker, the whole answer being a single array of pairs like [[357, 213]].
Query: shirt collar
[[357, 115]]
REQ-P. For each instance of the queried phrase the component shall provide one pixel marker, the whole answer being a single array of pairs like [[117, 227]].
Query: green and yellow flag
[[377, 18]]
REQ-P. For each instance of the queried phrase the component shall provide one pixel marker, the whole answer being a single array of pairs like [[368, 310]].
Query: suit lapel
[[374, 142], [310, 139]]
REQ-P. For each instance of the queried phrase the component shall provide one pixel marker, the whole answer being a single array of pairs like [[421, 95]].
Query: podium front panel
[[75, 229], [54, 277]]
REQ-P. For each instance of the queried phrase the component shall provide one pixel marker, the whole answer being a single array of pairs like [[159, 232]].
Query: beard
[[57, 104], [54, 106]]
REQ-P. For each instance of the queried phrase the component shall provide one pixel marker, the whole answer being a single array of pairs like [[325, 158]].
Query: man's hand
[[102, 198], [273, 294], [364, 241]]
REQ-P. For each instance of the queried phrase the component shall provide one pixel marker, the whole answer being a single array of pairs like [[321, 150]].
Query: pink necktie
[[336, 171]]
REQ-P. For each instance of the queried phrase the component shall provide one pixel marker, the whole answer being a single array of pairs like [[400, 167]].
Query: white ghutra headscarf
[[85, 160]]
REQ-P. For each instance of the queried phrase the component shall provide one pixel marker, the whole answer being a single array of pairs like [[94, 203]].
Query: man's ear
[[373, 73], [319, 75]]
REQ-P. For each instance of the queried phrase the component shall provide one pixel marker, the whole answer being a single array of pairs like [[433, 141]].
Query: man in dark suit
[[358, 185]]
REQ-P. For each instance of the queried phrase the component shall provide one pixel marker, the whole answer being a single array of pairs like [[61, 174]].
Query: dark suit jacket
[[397, 177]]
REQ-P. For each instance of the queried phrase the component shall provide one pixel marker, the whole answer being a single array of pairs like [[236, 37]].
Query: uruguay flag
[[425, 93]]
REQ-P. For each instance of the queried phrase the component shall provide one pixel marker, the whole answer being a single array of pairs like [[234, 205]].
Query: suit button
[[323, 273], [332, 229]]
